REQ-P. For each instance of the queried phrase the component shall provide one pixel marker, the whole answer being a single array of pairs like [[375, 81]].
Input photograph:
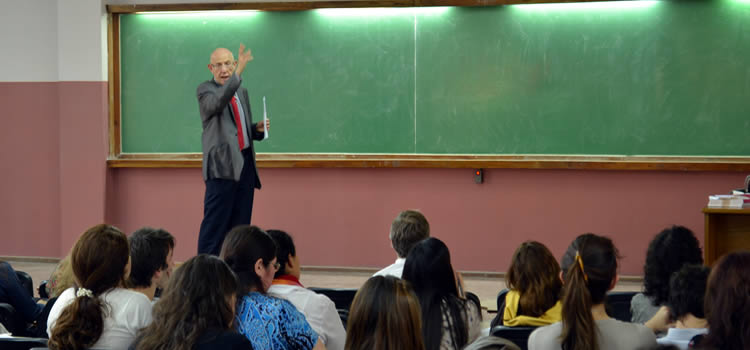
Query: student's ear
[[156, 277], [259, 267], [560, 275], [614, 282], [289, 263]]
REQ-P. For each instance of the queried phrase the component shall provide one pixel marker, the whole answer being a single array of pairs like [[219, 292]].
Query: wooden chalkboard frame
[[117, 159]]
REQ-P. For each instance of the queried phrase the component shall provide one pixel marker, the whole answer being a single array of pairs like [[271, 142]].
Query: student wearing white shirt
[[407, 229], [99, 312], [318, 309], [687, 288]]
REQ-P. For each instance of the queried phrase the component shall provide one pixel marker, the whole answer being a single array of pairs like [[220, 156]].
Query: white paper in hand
[[265, 120]]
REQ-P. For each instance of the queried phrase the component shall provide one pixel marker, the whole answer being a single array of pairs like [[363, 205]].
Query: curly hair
[[198, 299], [687, 288], [668, 252]]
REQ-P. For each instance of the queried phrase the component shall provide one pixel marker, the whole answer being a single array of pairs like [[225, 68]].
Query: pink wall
[[341, 217], [29, 180], [83, 117]]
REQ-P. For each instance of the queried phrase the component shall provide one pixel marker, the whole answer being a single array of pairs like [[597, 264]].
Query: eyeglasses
[[276, 266], [219, 65]]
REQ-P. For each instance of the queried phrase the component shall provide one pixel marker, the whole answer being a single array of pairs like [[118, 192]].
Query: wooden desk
[[727, 230]]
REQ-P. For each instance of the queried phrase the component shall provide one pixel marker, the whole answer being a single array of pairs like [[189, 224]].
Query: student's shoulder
[[546, 337], [627, 330]]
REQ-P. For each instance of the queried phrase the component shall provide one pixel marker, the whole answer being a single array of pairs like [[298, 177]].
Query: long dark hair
[[727, 303], [428, 269], [535, 274], [591, 266], [198, 298], [384, 315], [242, 247], [98, 260]]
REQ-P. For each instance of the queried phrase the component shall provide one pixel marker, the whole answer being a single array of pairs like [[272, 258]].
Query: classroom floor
[[484, 287]]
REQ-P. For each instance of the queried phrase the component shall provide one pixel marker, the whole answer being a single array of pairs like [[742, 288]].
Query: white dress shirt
[[319, 311], [395, 269]]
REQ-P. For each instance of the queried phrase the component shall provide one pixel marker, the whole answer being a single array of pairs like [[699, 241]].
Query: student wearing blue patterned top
[[268, 322]]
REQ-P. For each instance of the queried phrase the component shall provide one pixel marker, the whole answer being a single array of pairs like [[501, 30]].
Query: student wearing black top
[[197, 310]]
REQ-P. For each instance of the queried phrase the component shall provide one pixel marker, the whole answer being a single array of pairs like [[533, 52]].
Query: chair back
[[498, 320], [518, 335], [342, 297], [618, 305], [22, 343]]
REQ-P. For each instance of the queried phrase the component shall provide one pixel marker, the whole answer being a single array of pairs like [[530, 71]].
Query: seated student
[[99, 312], [268, 322], [408, 228], [448, 320], [60, 279], [151, 261], [590, 266], [534, 282], [686, 289], [384, 315], [668, 252], [318, 309], [727, 303], [12, 293], [196, 311]]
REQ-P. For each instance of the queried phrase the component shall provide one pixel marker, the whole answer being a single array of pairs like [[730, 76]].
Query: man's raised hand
[[243, 58]]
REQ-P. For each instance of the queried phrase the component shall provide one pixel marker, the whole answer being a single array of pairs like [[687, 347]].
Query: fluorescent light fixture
[[218, 13], [603, 5], [380, 11]]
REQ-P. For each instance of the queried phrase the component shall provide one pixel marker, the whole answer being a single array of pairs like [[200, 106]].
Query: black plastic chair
[[22, 343], [498, 320], [342, 297], [518, 335], [618, 305], [26, 282]]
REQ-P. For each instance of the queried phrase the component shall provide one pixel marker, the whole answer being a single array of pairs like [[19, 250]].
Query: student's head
[[222, 65], [667, 252], [286, 254], [535, 274], [200, 296], [251, 254], [408, 228], [686, 290], [590, 267], [384, 314], [100, 262], [727, 303], [428, 269], [150, 257]]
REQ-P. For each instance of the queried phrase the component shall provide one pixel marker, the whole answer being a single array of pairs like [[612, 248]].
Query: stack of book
[[729, 201]]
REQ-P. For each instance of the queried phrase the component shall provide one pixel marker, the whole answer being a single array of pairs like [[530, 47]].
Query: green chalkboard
[[623, 78]]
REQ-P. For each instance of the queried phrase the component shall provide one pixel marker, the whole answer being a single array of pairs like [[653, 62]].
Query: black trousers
[[227, 204]]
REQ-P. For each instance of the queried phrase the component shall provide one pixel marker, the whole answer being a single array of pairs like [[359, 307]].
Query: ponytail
[[79, 326], [578, 329]]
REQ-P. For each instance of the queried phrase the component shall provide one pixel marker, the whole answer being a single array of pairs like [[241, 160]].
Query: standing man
[[228, 155]]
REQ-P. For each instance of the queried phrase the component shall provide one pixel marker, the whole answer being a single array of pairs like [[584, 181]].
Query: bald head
[[222, 65]]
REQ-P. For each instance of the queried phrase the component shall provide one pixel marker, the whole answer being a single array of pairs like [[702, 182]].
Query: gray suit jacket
[[222, 158]]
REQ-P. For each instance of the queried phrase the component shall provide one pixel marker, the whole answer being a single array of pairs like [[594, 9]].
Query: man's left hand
[[261, 128]]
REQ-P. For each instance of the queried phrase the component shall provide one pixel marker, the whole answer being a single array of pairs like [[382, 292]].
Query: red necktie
[[238, 122]]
